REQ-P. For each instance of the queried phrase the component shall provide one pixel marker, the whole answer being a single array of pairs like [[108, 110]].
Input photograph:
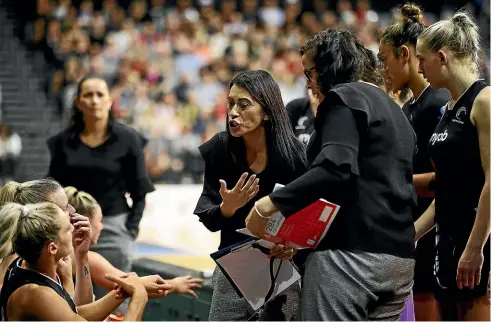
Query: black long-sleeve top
[[107, 172], [360, 157], [219, 165]]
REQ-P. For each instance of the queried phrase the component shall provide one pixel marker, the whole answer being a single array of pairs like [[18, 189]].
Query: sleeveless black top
[[424, 113], [17, 276], [454, 149]]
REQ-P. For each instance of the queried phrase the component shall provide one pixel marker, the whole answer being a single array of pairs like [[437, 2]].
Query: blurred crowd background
[[168, 63]]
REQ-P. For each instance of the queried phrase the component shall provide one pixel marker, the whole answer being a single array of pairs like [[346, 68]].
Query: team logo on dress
[[461, 112], [301, 123], [304, 138]]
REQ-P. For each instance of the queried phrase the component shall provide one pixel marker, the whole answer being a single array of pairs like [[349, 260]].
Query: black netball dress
[[454, 149], [424, 113], [17, 276], [302, 118]]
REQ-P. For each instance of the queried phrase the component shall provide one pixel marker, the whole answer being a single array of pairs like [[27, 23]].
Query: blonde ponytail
[[9, 223], [34, 191], [26, 229], [83, 202]]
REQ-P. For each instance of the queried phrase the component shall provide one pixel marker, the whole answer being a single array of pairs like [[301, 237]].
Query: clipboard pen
[[253, 275]]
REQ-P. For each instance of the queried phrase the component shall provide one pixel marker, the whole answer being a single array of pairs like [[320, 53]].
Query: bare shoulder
[[19, 306], [30, 302], [481, 107]]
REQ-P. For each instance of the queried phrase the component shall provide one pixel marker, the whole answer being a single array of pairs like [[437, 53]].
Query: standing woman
[[398, 52], [99, 155], [459, 148], [243, 164], [360, 158]]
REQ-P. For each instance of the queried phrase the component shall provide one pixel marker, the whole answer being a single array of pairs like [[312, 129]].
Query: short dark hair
[[78, 124], [340, 57], [284, 149]]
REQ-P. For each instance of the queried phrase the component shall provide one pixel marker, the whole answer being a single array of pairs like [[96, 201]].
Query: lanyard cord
[[273, 277]]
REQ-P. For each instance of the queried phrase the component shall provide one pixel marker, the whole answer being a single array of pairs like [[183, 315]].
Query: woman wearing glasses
[[360, 158]]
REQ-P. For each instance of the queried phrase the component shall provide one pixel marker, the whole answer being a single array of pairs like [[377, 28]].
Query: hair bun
[[464, 20], [411, 11]]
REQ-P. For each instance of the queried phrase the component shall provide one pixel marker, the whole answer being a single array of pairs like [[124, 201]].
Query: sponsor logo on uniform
[[438, 137], [459, 116]]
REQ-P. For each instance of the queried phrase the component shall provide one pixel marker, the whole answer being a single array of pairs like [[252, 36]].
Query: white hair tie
[[24, 212]]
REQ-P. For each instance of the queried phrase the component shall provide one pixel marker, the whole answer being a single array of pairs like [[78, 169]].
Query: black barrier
[[175, 307]]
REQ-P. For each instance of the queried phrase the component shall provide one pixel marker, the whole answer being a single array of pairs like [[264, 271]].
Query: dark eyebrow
[[240, 99]]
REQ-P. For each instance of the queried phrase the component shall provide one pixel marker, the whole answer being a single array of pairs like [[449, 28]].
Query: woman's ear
[[442, 57], [266, 118], [404, 52], [52, 248], [76, 103]]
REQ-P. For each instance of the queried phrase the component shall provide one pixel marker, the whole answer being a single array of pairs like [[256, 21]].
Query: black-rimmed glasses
[[308, 73]]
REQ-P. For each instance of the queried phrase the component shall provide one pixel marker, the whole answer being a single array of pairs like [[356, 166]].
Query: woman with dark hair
[[259, 144], [99, 155], [360, 158], [398, 52]]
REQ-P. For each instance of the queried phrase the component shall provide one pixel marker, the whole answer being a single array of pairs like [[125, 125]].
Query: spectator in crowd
[[167, 48], [10, 149]]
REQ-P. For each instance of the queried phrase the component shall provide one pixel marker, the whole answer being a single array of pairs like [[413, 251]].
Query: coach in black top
[[105, 158], [243, 164], [360, 157], [459, 148]]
